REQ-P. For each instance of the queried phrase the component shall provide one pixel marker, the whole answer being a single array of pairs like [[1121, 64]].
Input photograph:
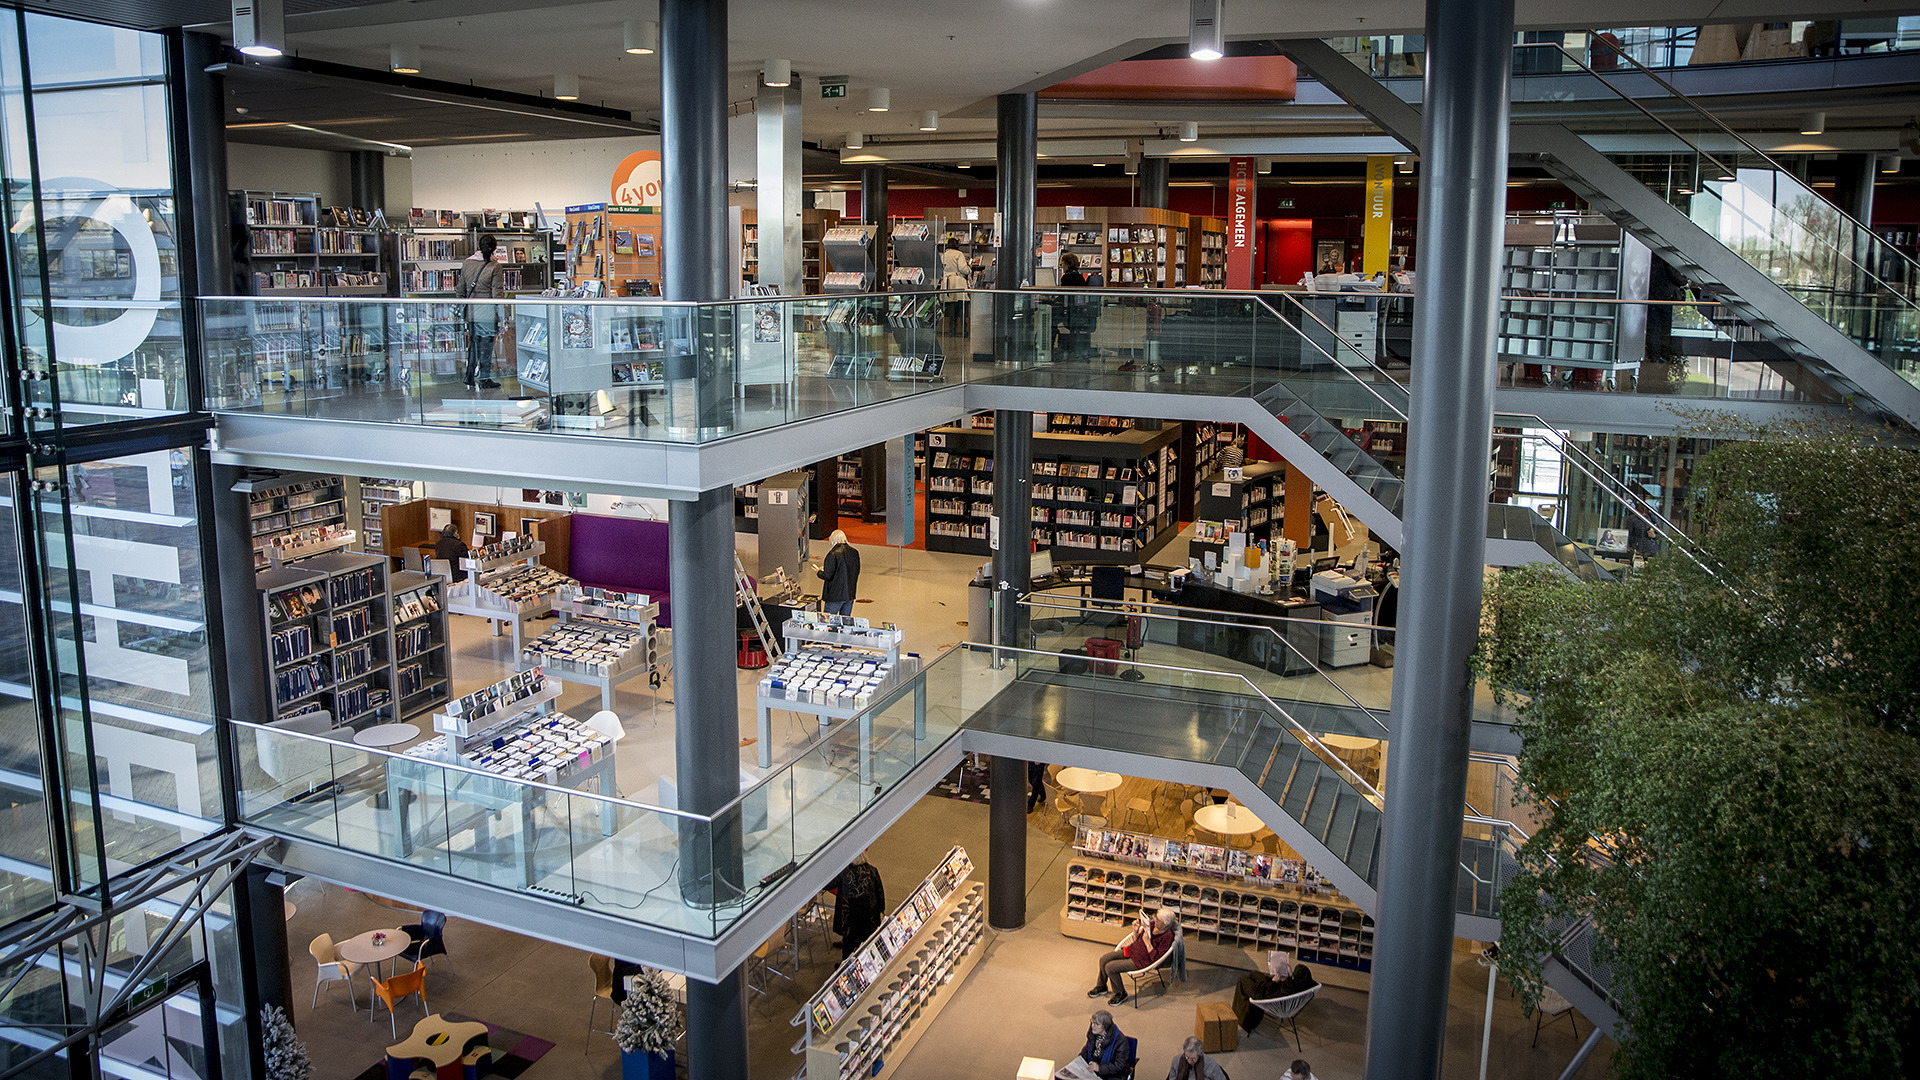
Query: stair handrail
[[1261, 298], [1299, 731], [1703, 111], [1031, 600]]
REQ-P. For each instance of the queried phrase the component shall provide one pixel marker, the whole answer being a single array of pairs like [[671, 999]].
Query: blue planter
[[644, 1066]]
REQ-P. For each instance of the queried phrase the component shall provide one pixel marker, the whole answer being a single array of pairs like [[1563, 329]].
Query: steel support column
[[1153, 181], [1007, 845], [202, 134], [242, 631], [873, 211], [717, 1028], [1012, 500], [776, 116], [367, 179], [266, 935], [1462, 207], [1018, 149], [693, 144]]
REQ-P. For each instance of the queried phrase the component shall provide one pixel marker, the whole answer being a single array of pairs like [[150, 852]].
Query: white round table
[[362, 950], [386, 735], [1085, 782], [1350, 742], [1229, 819]]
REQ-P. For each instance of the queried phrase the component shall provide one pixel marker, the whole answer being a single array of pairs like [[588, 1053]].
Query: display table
[[835, 684], [512, 591], [445, 1046], [591, 651], [1085, 782]]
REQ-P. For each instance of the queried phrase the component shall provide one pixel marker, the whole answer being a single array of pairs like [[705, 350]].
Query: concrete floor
[[1027, 997]]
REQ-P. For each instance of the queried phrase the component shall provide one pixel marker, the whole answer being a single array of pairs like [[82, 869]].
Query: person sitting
[[1148, 943], [1299, 1070], [1259, 986], [1192, 1063], [450, 547], [1107, 1051]]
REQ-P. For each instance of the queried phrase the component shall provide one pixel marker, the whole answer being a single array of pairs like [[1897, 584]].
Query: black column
[[200, 163], [873, 211], [1462, 207], [1153, 181], [367, 179], [693, 141], [717, 1028], [1853, 177], [243, 634], [706, 709], [1012, 499], [1007, 845], [266, 933], [1018, 148]]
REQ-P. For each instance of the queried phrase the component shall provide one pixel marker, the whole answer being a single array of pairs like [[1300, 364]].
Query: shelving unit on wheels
[[1559, 275], [329, 638], [421, 650], [1095, 498], [821, 486]]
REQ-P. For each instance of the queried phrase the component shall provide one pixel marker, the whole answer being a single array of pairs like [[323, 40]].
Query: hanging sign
[[1379, 223], [1240, 222], [637, 180], [833, 89]]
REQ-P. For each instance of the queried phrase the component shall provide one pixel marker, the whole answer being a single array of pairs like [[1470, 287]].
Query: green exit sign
[[1557, 204], [833, 89], [1286, 204]]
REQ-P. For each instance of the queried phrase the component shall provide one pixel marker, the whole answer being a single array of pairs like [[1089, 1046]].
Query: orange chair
[[398, 989]]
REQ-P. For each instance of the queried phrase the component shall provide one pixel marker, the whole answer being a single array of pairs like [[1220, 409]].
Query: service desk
[[1251, 645]]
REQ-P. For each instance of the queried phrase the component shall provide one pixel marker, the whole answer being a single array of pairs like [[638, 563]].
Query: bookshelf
[[421, 658], [1556, 272], [329, 639], [1207, 253], [430, 257], [294, 246], [297, 510], [975, 236], [524, 252], [746, 503], [862, 483], [374, 495], [1095, 498], [1252, 504], [1125, 247]]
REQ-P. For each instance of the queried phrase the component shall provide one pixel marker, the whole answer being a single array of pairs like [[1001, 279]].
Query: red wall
[[1286, 250]]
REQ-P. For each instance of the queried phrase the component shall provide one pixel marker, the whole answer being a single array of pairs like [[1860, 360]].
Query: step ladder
[[754, 611]]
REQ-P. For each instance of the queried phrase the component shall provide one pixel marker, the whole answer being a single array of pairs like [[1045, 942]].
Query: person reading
[[1148, 942], [1108, 1052]]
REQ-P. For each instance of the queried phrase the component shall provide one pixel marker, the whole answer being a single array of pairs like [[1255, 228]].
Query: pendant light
[[930, 121], [1206, 38], [855, 140], [566, 87], [642, 38], [776, 73], [260, 27], [1189, 131], [403, 59], [1813, 123], [878, 99]]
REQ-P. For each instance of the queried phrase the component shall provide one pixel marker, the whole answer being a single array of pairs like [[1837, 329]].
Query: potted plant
[[286, 1058], [650, 1024]]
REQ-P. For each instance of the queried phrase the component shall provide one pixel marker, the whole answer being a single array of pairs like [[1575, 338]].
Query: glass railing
[[1265, 651], [654, 865]]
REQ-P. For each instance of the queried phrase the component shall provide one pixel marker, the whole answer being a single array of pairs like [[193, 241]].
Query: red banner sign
[[1240, 223]]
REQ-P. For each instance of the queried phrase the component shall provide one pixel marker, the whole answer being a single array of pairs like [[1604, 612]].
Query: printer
[[1346, 602]]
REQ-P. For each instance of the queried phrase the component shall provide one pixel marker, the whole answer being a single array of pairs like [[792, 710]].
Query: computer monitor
[[1042, 564], [1325, 562]]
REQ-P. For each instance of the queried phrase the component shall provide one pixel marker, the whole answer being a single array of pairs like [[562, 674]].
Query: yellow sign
[[1379, 232]]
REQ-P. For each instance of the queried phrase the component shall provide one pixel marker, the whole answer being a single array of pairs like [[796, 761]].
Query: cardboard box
[[1216, 1026]]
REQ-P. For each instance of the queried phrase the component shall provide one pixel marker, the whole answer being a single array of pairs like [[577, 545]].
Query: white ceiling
[[952, 56]]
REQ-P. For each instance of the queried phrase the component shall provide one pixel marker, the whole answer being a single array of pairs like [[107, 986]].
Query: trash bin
[[1104, 651]]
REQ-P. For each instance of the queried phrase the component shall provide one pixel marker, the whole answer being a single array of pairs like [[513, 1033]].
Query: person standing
[[481, 277], [1036, 784], [860, 903], [450, 547], [956, 276], [839, 573]]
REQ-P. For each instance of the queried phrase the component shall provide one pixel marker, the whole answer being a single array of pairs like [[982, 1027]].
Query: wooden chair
[[332, 969], [1552, 1004], [602, 991], [398, 989], [1141, 809], [1287, 1008]]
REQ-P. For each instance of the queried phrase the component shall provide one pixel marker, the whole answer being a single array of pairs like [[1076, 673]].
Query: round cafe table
[[362, 950], [1359, 752], [386, 735], [1229, 819], [1085, 782]]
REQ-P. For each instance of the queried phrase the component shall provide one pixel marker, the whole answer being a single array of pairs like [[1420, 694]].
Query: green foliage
[[1733, 774]]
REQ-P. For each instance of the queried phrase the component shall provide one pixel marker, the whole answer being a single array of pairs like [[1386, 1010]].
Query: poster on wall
[[1329, 256], [637, 181], [766, 322], [576, 326]]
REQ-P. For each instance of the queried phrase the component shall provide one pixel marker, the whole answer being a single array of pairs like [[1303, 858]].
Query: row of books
[[411, 641], [298, 682], [352, 625], [293, 643], [351, 588], [308, 279]]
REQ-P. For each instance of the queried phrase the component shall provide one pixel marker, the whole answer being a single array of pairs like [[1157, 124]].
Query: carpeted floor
[[513, 1051]]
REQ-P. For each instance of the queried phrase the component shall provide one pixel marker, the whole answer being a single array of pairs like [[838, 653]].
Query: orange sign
[[637, 182]]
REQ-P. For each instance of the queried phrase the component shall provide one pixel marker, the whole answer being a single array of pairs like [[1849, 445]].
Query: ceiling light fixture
[[403, 59], [776, 73], [1189, 131], [1405, 165], [1890, 163], [260, 27], [643, 38], [879, 100], [1099, 164], [930, 121], [1263, 166], [1813, 123], [855, 140], [1133, 167], [566, 87], [1206, 38], [963, 164]]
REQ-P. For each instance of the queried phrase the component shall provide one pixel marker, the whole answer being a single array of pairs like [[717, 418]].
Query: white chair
[[332, 969], [1553, 1005], [441, 568], [1160, 970], [304, 765], [608, 724], [1287, 1008]]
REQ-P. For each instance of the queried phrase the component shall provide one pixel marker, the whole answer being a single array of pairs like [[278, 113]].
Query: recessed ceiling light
[[930, 121], [1099, 164], [1813, 123], [260, 27], [776, 73], [964, 164], [1189, 131], [878, 99], [642, 37], [1206, 38], [403, 59], [566, 87], [1405, 165]]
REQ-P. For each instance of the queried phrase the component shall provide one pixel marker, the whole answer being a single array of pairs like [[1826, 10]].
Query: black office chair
[[429, 937]]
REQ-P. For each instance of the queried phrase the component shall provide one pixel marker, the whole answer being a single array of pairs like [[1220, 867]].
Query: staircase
[[1736, 223]]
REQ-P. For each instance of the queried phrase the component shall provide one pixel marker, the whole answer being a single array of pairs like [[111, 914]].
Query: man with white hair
[[839, 575], [1149, 941]]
